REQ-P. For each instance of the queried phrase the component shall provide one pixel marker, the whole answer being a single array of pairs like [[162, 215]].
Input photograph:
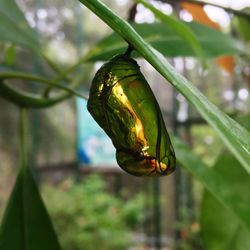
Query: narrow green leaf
[[235, 137], [165, 40], [26, 224], [180, 28], [14, 27], [221, 229], [217, 182]]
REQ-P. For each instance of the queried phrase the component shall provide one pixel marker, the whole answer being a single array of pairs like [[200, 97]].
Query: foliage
[[190, 236], [20, 217], [224, 231], [165, 40], [87, 210], [87, 217], [22, 220], [237, 142]]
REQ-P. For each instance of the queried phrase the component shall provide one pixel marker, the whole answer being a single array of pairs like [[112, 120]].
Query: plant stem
[[28, 100], [56, 68], [18, 75], [22, 138], [129, 50], [62, 75]]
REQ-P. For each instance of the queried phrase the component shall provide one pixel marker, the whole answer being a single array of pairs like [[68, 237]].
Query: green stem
[[17, 75], [62, 75], [22, 137], [27, 100], [67, 71], [56, 68], [129, 50]]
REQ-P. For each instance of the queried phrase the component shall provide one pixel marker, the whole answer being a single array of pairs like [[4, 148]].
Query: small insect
[[123, 104]]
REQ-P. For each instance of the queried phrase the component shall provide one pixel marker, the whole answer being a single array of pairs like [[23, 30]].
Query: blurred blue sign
[[93, 146]]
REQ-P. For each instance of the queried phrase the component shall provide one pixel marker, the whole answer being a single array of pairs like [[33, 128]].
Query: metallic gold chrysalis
[[123, 104]]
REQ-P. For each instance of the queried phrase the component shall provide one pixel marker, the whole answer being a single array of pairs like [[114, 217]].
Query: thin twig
[[131, 18], [132, 13]]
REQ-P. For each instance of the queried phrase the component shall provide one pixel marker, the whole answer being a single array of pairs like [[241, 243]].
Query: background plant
[[88, 223]]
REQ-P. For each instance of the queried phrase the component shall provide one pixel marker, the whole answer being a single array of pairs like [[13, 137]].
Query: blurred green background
[[99, 206]]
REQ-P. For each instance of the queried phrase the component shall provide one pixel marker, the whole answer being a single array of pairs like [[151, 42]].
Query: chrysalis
[[123, 104]]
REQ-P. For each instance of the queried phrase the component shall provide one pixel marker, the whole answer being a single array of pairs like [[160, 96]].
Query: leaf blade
[[14, 27], [26, 224], [167, 42], [215, 182], [215, 217], [180, 28]]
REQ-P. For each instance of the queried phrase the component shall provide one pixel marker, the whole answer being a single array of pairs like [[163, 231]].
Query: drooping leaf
[[235, 137], [218, 184], [165, 40], [26, 224], [221, 229], [180, 28], [14, 27], [199, 15]]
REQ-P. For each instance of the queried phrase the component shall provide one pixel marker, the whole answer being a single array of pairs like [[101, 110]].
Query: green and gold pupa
[[123, 104]]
